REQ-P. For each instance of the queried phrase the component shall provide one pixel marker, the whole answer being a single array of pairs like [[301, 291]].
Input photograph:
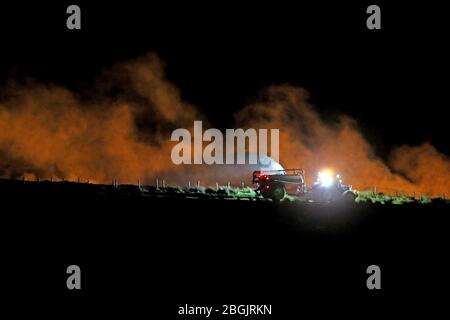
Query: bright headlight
[[326, 178]]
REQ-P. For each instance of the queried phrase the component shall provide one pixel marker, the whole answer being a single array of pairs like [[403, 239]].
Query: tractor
[[329, 188], [276, 184]]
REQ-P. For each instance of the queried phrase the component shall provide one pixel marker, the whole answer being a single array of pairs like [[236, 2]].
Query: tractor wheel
[[277, 193], [348, 197]]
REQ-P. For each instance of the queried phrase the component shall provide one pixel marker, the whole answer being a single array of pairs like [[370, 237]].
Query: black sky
[[393, 81]]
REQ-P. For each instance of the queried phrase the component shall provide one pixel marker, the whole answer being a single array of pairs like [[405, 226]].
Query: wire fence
[[162, 183], [157, 183]]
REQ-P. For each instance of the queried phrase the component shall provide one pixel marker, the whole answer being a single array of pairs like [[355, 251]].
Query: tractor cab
[[329, 188]]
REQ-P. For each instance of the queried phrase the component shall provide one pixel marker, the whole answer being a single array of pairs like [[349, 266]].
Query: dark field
[[153, 254]]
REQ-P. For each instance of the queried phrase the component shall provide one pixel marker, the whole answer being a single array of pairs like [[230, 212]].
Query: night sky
[[220, 55]]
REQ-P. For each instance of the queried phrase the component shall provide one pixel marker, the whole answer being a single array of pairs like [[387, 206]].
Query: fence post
[[374, 190], [189, 184], [228, 185], [164, 183], [217, 186], [242, 184]]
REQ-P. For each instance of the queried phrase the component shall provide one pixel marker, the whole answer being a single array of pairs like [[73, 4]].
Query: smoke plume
[[121, 130], [310, 142], [48, 131]]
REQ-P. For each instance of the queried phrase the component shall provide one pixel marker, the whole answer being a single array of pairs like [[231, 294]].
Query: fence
[[161, 183]]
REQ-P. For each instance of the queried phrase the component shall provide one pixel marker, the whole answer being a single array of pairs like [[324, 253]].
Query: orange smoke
[[47, 132], [308, 141], [123, 133]]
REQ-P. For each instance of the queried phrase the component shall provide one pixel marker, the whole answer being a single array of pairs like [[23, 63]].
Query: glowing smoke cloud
[[122, 131]]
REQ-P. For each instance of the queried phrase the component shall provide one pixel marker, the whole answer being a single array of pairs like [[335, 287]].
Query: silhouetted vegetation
[[201, 192]]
